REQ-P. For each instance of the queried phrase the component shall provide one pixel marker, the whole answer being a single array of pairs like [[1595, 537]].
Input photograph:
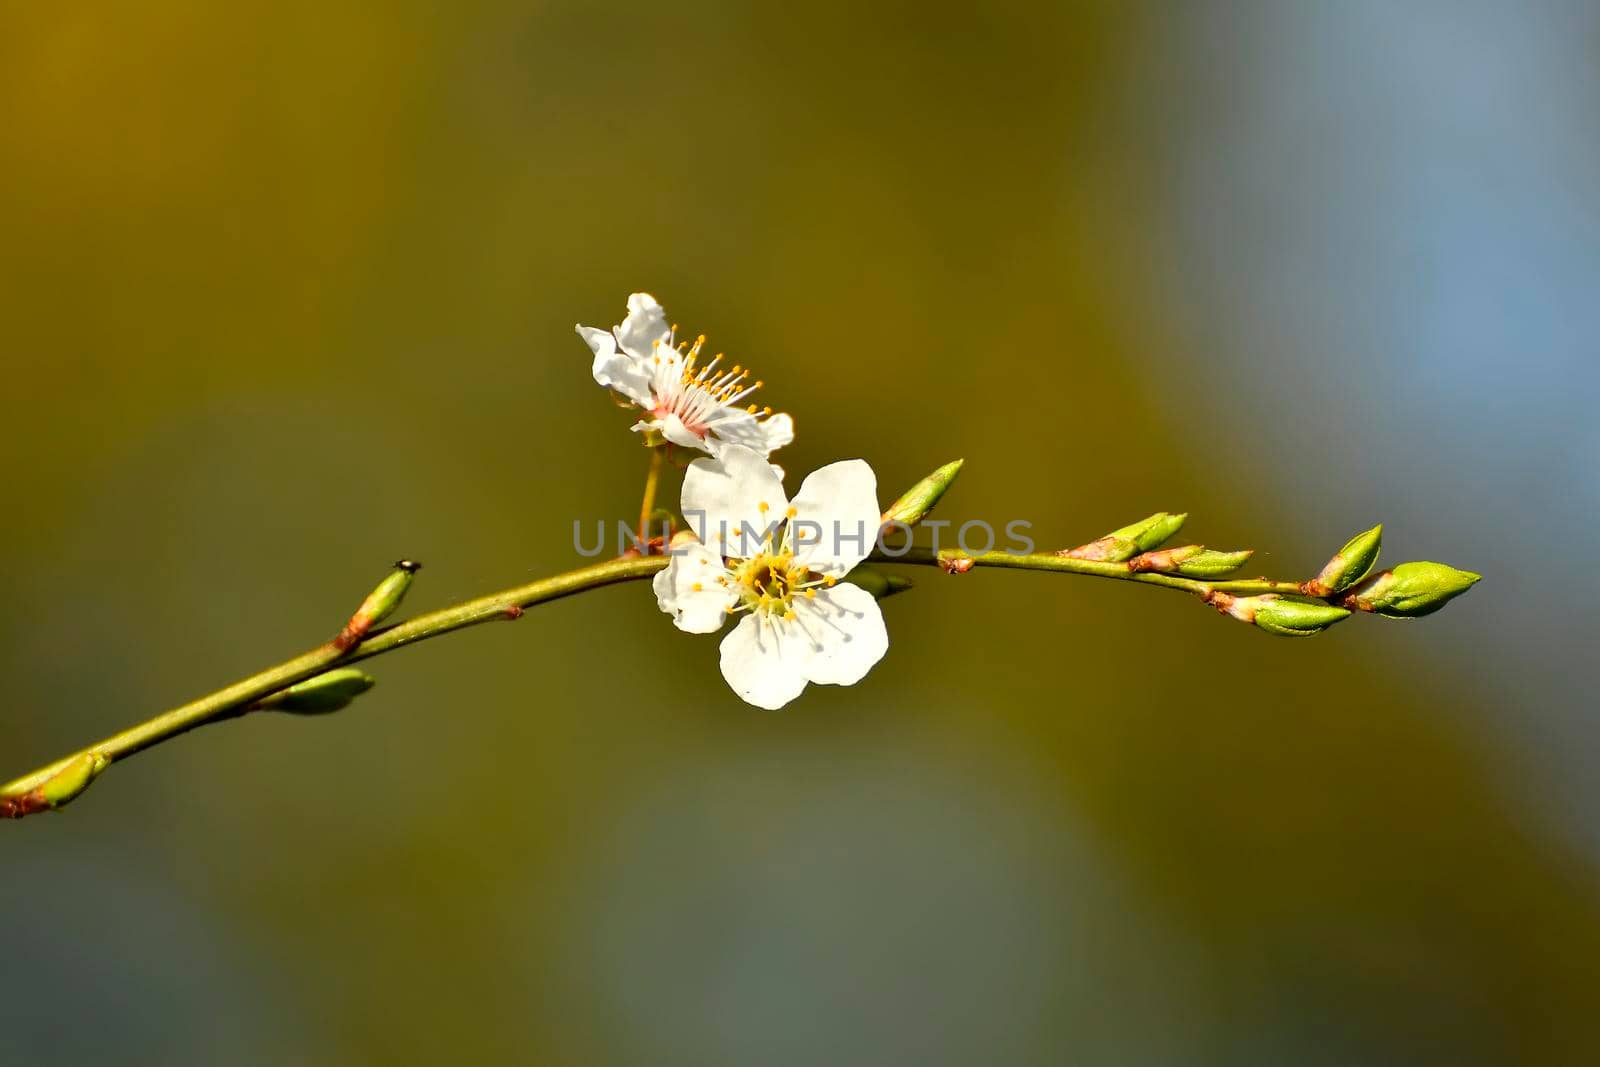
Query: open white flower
[[776, 562], [686, 401]]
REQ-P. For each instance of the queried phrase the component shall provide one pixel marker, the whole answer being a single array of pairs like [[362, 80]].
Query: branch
[[57, 783], [321, 680]]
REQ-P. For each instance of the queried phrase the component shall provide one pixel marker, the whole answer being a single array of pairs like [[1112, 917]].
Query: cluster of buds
[[1139, 546], [1346, 583]]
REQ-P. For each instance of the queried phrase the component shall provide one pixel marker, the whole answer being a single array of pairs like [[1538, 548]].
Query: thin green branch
[[1294, 609], [32, 792], [956, 561]]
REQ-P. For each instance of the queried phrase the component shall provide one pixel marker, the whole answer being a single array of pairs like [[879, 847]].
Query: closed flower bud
[[72, 777], [1165, 560], [920, 498], [379, 604], [1285, 616], [1352, 563], [876, 582], [1193, 561], [1288, 617], [1412, 590], [1121, 545], [320, 695], [1211, 563]]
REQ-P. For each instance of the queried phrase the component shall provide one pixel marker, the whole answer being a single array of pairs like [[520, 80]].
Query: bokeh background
[[287, 291]]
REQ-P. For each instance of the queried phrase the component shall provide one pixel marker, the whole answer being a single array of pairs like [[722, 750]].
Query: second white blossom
[[689, 401]]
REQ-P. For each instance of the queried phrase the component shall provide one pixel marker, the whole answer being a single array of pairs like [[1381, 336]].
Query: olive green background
[[287, 291]]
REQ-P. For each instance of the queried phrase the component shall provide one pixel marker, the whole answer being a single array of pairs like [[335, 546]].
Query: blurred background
[[287, 291]]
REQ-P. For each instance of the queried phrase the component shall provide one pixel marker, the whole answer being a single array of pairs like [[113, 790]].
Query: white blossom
[[688, 402], [775, 563]]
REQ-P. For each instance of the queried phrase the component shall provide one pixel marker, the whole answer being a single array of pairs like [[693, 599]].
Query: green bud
[[1412, 590], [382, 601], [1210, 563], [61, 786], [1152, 532], [1289, 617], [326, 692], [876, 582], [1352, 563], [1107, 549], [71, 780], [920, 498], [379, 604], [1118, 546], [1164, 560]]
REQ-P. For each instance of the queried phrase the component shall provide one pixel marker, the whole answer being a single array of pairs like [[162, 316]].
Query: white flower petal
[[600, 342], [673, 429], [723, 497], [627, 376], [847, 627], [645, 326], [765, 662], [841, 500], [688, 590], [736, 426]]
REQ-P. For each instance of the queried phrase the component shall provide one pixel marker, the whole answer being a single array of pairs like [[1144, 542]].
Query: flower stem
[[658, 456]]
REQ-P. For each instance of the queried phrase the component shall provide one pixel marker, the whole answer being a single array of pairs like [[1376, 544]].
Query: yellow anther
[[695, 587], [759, 383], [766, 411], [829, 581], [811, 594], [791, 512], [753, 408], [789, 614], [763, 506]]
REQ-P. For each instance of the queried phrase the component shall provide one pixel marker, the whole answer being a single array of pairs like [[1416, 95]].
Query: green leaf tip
[[1152, 532], [920, 499], [1119, 546], [1349, 565]]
